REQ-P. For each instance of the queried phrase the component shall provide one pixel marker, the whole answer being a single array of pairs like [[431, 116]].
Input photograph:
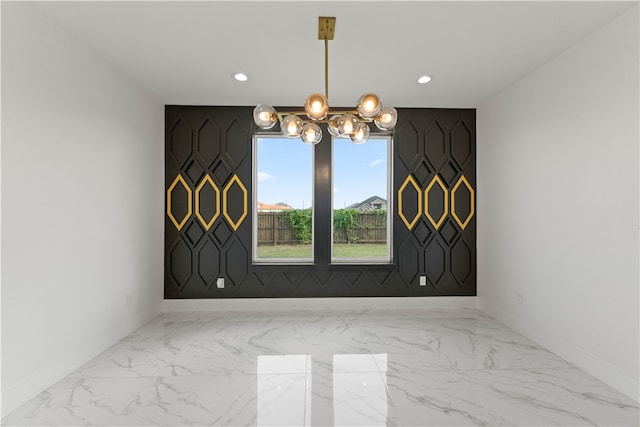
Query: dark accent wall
[[208, 187]]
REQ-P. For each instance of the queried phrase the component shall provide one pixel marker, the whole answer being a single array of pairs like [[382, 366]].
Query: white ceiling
[[187, 52]]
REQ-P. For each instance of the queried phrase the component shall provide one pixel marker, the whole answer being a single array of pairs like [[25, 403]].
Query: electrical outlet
[[519, 298], [423, 280], [220, 282], [128, 300]]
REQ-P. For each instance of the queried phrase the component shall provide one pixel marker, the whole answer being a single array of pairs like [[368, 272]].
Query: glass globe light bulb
[[347, 124], [265, 116], [387, 118], [361, 133], [332, 126], [369, 105], [311, 134], [316, 106], [291, 126]]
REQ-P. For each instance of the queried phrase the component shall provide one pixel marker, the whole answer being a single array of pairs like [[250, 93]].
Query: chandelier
[[351, 124]]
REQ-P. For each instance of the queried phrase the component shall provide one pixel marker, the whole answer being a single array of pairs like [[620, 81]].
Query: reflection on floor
[[322, 368]]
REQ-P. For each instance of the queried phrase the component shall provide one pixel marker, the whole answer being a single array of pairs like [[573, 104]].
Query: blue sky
[[285, 171]]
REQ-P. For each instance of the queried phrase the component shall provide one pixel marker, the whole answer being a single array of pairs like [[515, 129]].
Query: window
[[283, 197], [361, 201], [355, 204]]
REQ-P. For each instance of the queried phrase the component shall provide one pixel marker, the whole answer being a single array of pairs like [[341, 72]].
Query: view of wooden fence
[[274, 229], [367, 228]]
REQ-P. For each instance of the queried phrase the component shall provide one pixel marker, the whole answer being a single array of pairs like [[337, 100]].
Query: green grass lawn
[[340, 250]]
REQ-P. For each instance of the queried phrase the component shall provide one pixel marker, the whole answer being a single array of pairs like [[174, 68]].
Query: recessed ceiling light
[[424, 79], [241, 77]]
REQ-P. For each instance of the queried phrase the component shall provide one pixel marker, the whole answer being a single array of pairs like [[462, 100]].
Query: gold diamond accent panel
[[179, 180], [436, 223], [207, 180], [232, 223], [472, 207], [414, 184]]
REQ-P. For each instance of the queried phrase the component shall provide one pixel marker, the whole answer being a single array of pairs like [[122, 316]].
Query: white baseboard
[[20, 393], [320, 303], [569, 350]]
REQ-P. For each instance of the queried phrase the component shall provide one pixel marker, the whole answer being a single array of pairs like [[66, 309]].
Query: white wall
[[82, 200], [558, 191]]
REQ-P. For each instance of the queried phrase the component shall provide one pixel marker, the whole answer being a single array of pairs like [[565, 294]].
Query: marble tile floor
[[324, 368]]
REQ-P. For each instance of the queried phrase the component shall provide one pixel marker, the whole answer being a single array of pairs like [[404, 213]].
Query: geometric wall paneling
[[194, 171], [435, 148], [208, 228], [207, 200], [435, 260], [263, 277], [180, 144], [323, 276], [235, 203], [422, 172], [279, 281], [294, 277], [235, 152], [364, 279], [408, 261], [422, 232], [236, 262], [194, 232], [446, 149], [462, 202], [352, 276], [180, 265], [208, 142], [381, 277], [461, 143], [436, 202], [449, 232], [221, 171], [208, 263], [449, 172], [409, 202], [339, 281], [222, 233], [179, 202], [461, 261], [311, 280], [408, 152]]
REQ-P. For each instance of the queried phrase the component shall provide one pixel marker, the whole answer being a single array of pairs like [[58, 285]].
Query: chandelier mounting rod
[[326, 28], [326, 68]]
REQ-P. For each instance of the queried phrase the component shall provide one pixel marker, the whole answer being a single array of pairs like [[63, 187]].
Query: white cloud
[[336, 189], [376, 162], [263, 176]]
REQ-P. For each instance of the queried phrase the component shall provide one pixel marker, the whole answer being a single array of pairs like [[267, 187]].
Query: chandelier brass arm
[[283, 114], [344, 123]]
